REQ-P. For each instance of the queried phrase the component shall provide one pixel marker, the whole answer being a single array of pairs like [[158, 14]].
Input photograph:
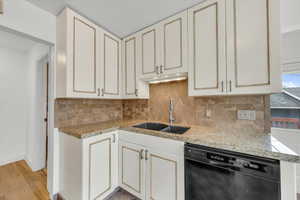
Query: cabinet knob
[[136, 92]]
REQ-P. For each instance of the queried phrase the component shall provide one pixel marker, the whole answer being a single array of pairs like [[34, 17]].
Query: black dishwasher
[[212, 174]]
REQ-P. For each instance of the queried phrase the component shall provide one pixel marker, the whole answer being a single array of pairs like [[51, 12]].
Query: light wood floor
[[18, 182]]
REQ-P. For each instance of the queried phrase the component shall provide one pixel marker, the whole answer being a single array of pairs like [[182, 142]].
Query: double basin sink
[[163, 128]]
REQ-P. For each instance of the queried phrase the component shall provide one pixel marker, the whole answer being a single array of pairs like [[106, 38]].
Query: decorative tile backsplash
[[210, 111], [70, 112], [220, 112]]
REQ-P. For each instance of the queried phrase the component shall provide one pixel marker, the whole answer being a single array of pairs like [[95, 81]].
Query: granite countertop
[[263, 145]]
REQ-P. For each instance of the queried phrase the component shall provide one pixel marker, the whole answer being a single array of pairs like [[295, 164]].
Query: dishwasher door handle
[[230, 167]]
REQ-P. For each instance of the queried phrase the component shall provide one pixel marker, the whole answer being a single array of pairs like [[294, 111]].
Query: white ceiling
[[15, 42], [121, 17]]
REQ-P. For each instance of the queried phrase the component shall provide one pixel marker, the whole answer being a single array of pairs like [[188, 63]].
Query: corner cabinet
[[133, 87], [88, 167], [151, 167], [163, 47], [132, 168], [88, 59], [226, 55]]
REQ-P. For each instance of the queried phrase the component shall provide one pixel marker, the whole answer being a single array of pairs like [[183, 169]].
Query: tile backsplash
[[220, 112], [70, 112]]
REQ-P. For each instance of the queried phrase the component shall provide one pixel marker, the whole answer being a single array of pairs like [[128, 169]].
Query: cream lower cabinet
[[132, 168], [88, 167], [163, 176], [231, 51], [153, 169]]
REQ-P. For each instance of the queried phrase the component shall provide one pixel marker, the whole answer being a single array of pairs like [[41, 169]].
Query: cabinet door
[[149, 51], [130, 65], [174, 44], [207, 53], [164, 176], [111, 70], [253, 46], [84, 58], [131, 168], [100, 171]]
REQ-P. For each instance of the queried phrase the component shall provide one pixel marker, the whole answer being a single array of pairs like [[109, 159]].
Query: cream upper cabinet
[[77, 65], [207, 56], [149, 47], [226, 55], [132, 86], [163, 47], [111, 69], [132, 168], [173, 44], [253, 46], [88, 59]]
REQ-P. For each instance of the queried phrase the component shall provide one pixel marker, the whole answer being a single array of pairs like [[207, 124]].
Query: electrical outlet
[[246, 115]]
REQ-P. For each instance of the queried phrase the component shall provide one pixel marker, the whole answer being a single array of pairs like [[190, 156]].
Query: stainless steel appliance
[[212, 174]]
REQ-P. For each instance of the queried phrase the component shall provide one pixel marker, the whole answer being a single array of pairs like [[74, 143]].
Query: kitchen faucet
[[171, 112]]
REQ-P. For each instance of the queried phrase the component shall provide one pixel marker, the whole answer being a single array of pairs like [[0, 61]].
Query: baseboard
[[12, 160]]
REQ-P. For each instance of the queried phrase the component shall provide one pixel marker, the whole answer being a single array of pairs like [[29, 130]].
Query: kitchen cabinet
[[162, 175], [226, 57], [132, 168], [88, 59], [207, 72], [88, 166], [153, 169], [133, 87], [163, 47], [111, 66]]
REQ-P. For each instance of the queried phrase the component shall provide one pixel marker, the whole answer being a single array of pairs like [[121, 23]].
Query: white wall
[[290, 15], [13, 104], [23, 17], [290, 138], [36, 143]]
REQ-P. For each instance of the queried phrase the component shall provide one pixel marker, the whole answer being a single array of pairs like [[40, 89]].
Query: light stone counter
[[263, 145]]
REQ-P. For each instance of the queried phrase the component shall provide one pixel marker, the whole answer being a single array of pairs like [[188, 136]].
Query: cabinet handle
[[141, 154], [161, 69], [222, 85], [136, 92], [102, 91], [230, 86], [146, 154], [114, 138], [157, 69], [98, 92]]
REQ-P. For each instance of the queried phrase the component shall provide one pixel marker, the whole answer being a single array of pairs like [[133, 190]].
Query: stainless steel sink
[[163, 128], [151, 126], [175, 129]]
